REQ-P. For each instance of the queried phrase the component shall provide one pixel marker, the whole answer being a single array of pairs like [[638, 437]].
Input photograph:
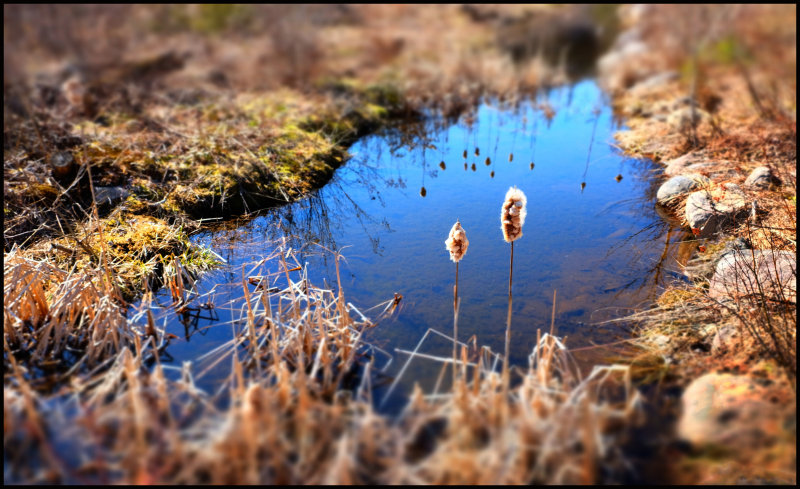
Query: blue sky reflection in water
[[602, 247]]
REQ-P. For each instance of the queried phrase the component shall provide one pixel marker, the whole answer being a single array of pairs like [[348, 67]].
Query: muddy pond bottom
[[591, 233]]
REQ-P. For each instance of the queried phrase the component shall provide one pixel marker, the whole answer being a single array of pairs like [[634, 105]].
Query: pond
[[592, 234]]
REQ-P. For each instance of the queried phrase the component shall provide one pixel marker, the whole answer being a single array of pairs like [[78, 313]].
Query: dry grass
[[65, 301], [297, 408], [53, 320]]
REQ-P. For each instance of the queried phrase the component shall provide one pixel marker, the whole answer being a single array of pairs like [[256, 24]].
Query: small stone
[[110, 195], [660, 340], [761, 178], [655, 81], [134, 126], [688, 163], [677, 186], [681, 119], [723, 336]]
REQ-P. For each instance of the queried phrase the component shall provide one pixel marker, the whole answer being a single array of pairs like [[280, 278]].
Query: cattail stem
[[508, 320], [455, 323]]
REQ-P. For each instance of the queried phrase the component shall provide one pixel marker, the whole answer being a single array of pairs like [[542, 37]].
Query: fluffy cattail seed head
[[457, 242], [512, 215]]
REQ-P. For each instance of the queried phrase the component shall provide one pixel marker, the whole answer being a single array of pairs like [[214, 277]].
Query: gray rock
[[725, 409], [708, 211], [723, 336], [660, 340], [744, 272], [677, 186], [110, 195], [681, 119], [761, 178], [623, 65], [736, 244], [690, 162], [655, 81], [676, 165]]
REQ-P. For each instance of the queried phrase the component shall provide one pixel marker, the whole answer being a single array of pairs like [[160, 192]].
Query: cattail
[[423, 192], [488, 161], [465, 167], [442, 165], [492, 174], [456, 244], [512, 217], [513, 214], [465, 154], [532, 165], [474, 167], [510, 157], [477, 151]]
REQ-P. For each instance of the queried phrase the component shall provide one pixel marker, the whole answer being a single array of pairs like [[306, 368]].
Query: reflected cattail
[[465, 154], [457, 242], [477, 151], [474, 167], [465, 167], [442, 165], [510, 157], [619, 177], [492, 174], [423, 192], [583, 186], [532, 165], [513, 214], [488, 161]]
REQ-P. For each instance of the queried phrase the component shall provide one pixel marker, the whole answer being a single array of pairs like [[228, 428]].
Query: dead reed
[[297, 408], [54, 319]]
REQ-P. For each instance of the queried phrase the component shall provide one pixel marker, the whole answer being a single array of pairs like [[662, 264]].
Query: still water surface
[[601, 245]]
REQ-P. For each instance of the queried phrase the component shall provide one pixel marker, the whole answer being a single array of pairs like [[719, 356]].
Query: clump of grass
[[135, 249], [297, 408], [55, 320]]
